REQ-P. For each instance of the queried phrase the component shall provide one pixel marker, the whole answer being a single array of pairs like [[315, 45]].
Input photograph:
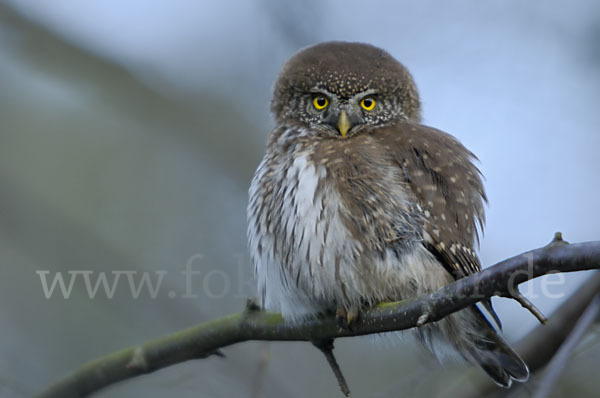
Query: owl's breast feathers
[[408, 182], [377, 205], [328, 216]]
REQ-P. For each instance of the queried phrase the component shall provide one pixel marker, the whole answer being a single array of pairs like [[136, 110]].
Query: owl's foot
[[346, 317]]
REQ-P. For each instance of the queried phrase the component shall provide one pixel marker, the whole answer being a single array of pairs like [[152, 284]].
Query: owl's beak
[[343, 124]]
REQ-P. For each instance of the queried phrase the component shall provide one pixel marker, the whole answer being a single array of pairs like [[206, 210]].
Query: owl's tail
[[495, 356]]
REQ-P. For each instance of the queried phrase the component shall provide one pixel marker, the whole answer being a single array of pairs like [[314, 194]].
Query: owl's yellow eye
[[368, 103], [320, 102]]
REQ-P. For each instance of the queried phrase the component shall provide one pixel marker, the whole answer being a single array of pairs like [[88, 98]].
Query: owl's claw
[[346, 317]]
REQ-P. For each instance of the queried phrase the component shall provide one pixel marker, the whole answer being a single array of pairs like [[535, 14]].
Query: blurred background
[[130, 130]]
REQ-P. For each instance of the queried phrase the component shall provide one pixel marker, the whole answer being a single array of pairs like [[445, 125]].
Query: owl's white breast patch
[[301, 264], [305, 233], [303, 207], [308, 179]]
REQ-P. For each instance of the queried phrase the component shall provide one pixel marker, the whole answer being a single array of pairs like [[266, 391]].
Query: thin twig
[[326, 347], [528, 305]]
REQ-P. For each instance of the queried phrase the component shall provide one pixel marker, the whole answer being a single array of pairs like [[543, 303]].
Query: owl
[[356, 202]]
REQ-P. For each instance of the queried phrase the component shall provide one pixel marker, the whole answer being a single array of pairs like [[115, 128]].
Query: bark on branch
[[253, 324]]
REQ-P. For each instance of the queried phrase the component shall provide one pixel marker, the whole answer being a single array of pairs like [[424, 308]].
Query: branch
[[536, 348], [205, 339]]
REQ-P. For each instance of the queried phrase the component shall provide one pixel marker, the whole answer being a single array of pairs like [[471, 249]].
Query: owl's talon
[[252, 305], [340, 318], [423, 319], [346, 318]]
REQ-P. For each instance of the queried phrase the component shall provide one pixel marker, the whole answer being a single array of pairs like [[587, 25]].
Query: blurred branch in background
[[252, 324], [59, 236], [559, 361]]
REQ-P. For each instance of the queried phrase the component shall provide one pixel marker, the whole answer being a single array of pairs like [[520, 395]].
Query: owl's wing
[[440, 172]]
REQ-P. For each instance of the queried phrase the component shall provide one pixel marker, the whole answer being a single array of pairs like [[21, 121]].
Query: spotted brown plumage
[[356, 202]]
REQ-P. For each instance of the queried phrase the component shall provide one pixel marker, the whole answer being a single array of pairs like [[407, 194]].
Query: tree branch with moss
[[208, 338]]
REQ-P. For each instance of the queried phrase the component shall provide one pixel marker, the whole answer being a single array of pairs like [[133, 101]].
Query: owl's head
[[338, 88]]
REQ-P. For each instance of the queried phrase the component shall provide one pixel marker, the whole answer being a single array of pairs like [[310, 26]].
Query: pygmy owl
[[356, 202]]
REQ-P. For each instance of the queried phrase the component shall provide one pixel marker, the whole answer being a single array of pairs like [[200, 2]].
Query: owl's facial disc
[[342, 114]]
